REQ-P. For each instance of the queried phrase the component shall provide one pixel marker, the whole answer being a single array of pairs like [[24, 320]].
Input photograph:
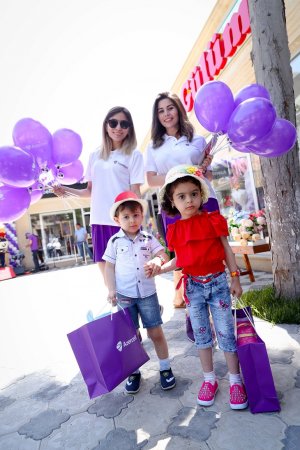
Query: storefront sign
[[220, 48]]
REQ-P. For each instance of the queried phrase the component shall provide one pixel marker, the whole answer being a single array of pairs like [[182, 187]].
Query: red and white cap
[[127, 196]]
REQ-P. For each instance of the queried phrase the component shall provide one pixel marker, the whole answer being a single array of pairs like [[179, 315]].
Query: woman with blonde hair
[[115, 167]]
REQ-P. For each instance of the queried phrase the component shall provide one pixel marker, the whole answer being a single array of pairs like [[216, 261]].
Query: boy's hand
[[112, 298], [235, 287], [152, 267]]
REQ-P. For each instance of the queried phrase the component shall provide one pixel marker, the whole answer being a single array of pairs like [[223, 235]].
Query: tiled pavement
[[44, 402]]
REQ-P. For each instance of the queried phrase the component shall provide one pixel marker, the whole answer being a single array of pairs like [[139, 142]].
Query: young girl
[[199, 240], [174, 142]]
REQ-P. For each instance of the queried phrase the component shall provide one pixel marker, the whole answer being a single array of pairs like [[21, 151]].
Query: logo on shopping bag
[[120, 345]]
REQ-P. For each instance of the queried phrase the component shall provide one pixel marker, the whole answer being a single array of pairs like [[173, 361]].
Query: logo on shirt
[[120, 345]]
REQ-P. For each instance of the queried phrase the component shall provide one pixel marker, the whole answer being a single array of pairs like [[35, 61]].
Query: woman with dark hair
[[115, 167], [174, 142]]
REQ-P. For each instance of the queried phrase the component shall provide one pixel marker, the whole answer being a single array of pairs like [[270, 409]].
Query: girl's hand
[[152, 267], [112, 298], [235, 287]]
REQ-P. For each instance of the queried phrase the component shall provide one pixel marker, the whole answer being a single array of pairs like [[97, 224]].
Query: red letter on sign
[[186, 96], [215, 57], [235, 32], [204, 68], [245, 18]]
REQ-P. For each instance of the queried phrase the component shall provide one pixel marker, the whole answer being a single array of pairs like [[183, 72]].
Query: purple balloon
[[35, 196], [33, 137], [51, 167], [71, 174], [13, 203], [251, 120], [17, 167], [250, 91], [214, 105], [241, 148], [280, 140], [36, 192], [67, 147]]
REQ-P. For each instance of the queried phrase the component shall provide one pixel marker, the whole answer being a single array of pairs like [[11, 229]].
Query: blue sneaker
[[167, 379], [132, 385]]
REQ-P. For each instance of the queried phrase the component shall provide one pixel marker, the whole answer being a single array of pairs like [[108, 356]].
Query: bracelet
[[162, 259], [234, 274]]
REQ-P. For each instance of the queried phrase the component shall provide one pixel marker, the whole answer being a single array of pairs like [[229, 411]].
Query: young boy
[[132, 258]]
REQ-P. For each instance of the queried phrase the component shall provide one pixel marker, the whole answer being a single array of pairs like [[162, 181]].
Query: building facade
[[222, 51]]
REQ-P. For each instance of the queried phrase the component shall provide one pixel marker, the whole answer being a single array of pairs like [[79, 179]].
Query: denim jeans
[[87, 249], [36, 260], [147, 308], [214, 295]]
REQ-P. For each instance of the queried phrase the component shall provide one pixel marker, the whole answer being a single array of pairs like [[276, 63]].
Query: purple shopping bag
[[257, 372], [107, 351]]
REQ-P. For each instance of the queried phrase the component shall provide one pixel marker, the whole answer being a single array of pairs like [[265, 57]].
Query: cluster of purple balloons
[[37, 161], [249, 119]]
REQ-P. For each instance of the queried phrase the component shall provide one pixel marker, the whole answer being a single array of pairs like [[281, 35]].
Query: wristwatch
[[234, 274]]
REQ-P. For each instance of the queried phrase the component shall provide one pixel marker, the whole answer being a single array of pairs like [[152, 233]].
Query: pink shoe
[[207, 393], [238, 397]]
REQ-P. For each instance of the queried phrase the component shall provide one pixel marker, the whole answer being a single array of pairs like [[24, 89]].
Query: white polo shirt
[[129, 257], [174, 152], [109, 178]]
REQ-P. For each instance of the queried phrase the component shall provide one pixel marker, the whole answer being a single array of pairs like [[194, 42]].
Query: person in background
[[81, 241], [117, 166], [132, 256], [199, 240], [3, 248], [33, 243]]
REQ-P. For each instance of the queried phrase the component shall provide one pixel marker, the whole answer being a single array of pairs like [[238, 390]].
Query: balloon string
[[73, 197], [220, 143], [65, 201], [218, 149]]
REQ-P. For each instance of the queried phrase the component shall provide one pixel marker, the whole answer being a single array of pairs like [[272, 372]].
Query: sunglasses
[[124, 124]]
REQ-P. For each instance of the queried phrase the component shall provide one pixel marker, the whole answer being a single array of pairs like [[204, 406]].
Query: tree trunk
[[281, 176]]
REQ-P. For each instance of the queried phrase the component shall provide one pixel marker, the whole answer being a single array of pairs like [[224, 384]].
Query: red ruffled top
[[197, 243]]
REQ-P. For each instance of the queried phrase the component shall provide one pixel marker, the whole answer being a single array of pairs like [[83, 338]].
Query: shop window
[[233, 182], [56, 233]]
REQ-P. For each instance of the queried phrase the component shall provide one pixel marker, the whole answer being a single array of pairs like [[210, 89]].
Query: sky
[[65, 63]]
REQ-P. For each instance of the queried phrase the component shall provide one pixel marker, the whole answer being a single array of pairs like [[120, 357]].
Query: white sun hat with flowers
[[184, 171]]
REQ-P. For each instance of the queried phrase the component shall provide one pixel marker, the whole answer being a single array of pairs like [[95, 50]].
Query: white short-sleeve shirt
[[109, 178], [129, 257], [174, 152]]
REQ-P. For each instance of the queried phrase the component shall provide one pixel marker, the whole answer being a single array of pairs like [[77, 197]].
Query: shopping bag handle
[[90, 316], [236, 300]]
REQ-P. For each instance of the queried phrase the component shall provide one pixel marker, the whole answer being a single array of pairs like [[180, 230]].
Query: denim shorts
[[214, 295], [147, 308]]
